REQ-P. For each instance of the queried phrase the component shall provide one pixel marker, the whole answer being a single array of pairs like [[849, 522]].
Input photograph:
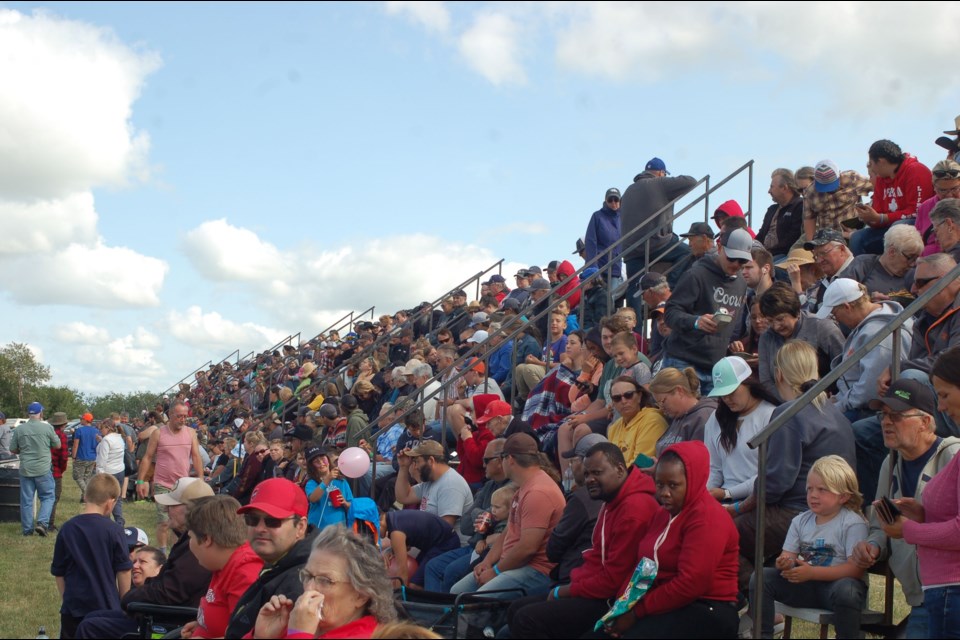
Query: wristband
[[556, 592], [736, 506], [696, 323], [140, 482], [496, 569]]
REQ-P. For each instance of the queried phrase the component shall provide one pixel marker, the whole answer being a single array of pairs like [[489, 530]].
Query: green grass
[[30, 592], [30, 597]]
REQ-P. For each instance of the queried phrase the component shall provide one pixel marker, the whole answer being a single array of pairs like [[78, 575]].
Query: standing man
[[32, 441], [650, 192], [603, 231], [518, 559], [783, 222], [701, 312], [5, 434], [173, 447], [59, 456], [85, 452]]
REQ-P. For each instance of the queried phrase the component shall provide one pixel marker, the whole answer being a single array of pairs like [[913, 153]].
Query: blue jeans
[[871, 452], [706, 377], [384, 469], [118, 505], [846, 597], [43, 486], [531, 581], [918, 623], [943, 608], [867, 240], [447, 569]]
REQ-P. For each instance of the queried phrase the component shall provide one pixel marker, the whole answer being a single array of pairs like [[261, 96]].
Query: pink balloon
[[354, 462]]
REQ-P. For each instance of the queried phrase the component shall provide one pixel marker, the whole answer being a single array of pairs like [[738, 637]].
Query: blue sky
[[187, 179]]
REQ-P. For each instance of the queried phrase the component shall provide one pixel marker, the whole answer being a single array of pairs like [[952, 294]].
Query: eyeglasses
[[948, 191], [922, 282], [823, 254], [946, 173], [626, 395], [910, 258], [253, 520], [321, 581], [896, 417]]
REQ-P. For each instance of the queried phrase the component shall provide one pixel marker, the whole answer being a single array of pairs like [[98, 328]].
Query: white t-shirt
[[735, 470]]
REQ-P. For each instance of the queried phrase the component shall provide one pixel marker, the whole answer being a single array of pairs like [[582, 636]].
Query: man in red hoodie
[[696, 548], [900, 184], [571, 610]]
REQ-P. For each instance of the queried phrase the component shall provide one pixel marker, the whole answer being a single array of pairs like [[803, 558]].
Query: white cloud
[[223, 252], [65, 129], [81, 333], [492, 47], [433, 16], [144, 339], [208, 330], [65, 107], [97, 276]]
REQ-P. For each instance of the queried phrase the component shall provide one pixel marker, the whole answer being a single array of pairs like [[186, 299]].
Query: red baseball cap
[[278, 498], [495, 409]]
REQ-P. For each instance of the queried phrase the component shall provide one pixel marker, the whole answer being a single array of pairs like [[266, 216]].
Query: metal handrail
[[178, 382], [760, 440]]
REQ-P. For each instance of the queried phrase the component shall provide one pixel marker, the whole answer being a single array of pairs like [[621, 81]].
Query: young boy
[[623, 351], [218, 539], [426, 531], [91, 561]]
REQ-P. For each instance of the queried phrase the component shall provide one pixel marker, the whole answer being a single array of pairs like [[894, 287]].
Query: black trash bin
[[9, 494]]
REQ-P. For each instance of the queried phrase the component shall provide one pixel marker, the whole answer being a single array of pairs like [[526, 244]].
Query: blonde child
[[816, 568], [500, 502]]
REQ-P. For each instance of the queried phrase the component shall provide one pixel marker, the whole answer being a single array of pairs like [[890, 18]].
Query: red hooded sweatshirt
[[621, 524], [564, 271], [700, 557], [732, 209], [899, 196]]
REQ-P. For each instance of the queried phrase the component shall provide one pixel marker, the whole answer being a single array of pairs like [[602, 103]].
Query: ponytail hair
[[797, 363]]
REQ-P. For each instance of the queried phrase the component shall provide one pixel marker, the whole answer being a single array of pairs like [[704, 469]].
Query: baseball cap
[[553, 265], [586, 273], [728, 373], [184, 491], [651, 279], [906, 394], [313, 452], [300, 432], [581, 246], [426, 448], [135, 537], [612, 192], [478, 337], [521, 444], [34, 408], [476, 364], [826, 176], [698, 229], [88, 416], [583, 445], [539, 284], [656, 164], [3, 416], [510, 303], [522, 273], [497, 278], [480, 317], [328, 411], [840, 291], [278, 498], [535, 270], [495, 409], [737, 245], [822, 237]]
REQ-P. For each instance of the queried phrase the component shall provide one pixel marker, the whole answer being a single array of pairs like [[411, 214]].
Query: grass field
[[30, 593]]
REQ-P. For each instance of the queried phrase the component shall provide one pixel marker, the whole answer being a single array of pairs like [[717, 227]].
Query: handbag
[[129, 464]]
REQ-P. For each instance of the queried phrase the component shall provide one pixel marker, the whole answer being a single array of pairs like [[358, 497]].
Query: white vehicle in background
[[13, 423]]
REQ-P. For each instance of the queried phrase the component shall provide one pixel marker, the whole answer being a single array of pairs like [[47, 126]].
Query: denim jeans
[[845, 597], [918, 623], [871, 452], [384, 469], [706, 377], [943, 608], [118, 505], [527, 578], [447, 569], [867, 240], [43, 486]]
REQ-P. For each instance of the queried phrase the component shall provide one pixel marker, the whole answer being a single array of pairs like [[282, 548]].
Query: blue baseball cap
[[656, 164], [34, 408]]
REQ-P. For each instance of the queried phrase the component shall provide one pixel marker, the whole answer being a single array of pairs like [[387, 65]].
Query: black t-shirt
[[913, 468], [89, 552], [423, 529]]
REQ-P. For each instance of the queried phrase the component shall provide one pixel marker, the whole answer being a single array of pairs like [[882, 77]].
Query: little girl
[[500, 510], [816, 568]]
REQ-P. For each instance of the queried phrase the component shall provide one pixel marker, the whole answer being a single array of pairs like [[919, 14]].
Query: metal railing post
[[897, 347]]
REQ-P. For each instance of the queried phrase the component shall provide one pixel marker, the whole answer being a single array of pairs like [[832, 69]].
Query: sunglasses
[[489, 460], [946, 173], [613, 200], [739, 261], [253, 520], [626, 395], [922, 282]]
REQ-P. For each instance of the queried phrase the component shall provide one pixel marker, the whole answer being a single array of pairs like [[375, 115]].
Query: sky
[[184, 180]]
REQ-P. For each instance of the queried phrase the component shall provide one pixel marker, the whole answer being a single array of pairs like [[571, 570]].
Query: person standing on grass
[[59, 457], [169, 453], [90, 558], [84, 452], [32, 441]]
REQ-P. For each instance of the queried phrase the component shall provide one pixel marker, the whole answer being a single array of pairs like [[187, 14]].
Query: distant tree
[[19, 372], [132, 403], [65, 399]]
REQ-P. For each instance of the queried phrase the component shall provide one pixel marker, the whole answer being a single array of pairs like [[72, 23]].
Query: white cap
[[840, 291], [478, 336]]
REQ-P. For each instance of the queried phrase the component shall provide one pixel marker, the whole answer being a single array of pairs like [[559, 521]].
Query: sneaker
[[41, 530]]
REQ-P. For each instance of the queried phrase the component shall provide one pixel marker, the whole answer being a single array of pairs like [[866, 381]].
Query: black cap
[[581, 246], [553, 265], [907, 394], [300, 432], [651, 279], [612, 192], [698, 229]]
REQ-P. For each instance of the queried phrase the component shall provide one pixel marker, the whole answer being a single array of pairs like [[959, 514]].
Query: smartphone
[[887, 511]]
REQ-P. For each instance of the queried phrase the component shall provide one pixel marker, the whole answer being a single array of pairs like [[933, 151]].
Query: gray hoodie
[[902, 555], [822, 335], [641, 201], [858, 386]]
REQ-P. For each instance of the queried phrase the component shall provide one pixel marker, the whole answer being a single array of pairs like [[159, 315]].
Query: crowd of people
[[578, 445]]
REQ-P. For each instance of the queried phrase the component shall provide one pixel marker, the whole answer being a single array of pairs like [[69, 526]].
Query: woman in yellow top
[[640, 425]]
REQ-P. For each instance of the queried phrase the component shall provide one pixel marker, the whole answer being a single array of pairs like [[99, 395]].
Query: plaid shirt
[[326, 362], [387, 442], [59, 456], [828, 209]]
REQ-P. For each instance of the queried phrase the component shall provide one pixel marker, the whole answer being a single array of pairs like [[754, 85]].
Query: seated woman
[[744, 410], [583, 391], [640, 424], [694, 544], [347, 593], [678, 394]]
